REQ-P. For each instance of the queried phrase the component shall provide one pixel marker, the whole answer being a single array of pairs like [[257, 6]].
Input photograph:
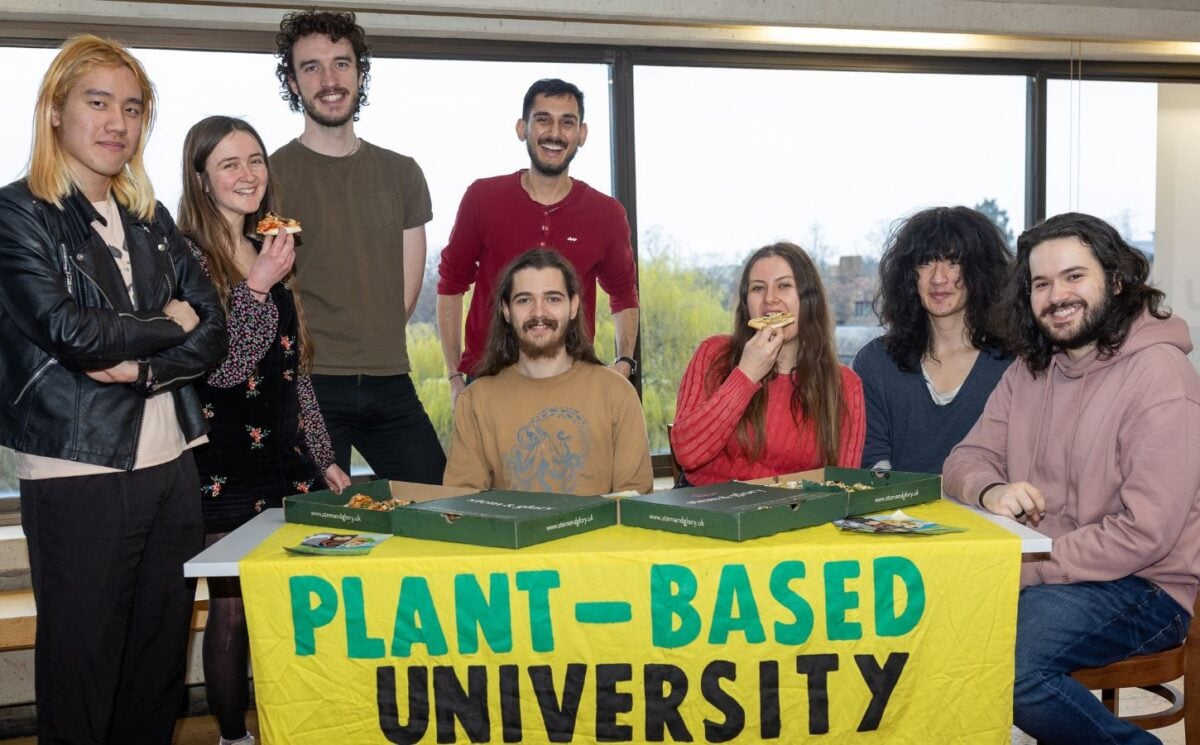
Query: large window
[[727, 159], [1100, 153], [457, 118], [824, 159]]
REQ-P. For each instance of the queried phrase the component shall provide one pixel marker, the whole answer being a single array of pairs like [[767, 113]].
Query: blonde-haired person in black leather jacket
[[104, 318]]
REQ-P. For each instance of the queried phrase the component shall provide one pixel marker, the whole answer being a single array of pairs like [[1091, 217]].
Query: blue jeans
[[382, 417], [1063, 628]]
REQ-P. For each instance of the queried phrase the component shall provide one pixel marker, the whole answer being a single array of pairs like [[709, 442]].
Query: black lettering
[[389, 710], [881, 682], [510, 702], [469, 707], [817, 667], [610, 703], [769, 723], [710, 687], [559, 718], [662, 709]]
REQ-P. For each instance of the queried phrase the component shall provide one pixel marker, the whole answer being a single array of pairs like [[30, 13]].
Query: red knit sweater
[[704, 438]]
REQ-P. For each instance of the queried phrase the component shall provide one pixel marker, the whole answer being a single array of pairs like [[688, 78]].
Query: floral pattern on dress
[[257, 435], [213, 489]]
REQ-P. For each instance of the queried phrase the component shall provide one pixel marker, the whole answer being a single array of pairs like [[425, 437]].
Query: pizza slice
[[778, 319], [273, 224]]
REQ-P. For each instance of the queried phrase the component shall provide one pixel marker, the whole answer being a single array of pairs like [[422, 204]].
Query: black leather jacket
[[64, 309]]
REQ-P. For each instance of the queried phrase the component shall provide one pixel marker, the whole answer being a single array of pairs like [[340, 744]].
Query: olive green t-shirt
[[350, 257]]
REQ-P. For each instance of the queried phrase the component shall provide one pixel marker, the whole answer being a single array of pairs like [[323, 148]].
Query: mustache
[[546, 321], [334, 89], [1050, 310], [552, 141]]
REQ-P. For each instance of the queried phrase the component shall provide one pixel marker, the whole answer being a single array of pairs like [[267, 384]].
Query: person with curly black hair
[[927, 378], [361, 257]]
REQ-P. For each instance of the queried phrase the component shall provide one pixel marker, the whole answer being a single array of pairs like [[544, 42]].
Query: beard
[[324, 120], [549, 169], [551, 347], [1086, 332]]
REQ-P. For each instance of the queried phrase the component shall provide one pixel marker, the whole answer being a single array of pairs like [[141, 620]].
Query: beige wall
[[1177, 203]]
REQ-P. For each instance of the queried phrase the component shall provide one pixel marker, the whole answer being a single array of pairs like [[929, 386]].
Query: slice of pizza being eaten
[[273, 224], [778, 319]]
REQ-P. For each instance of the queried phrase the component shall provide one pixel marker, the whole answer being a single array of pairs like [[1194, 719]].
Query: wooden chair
[[1152, 673]]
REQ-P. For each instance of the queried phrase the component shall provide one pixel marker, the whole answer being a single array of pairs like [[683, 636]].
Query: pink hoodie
[[1114, 446]]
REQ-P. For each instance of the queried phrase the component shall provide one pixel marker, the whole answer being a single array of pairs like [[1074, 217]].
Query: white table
[[221, 559]]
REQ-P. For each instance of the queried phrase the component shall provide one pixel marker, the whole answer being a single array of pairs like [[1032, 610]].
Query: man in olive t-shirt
[[361, 257]]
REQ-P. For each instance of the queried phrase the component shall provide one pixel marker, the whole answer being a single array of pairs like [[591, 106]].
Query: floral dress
[[267, 438]]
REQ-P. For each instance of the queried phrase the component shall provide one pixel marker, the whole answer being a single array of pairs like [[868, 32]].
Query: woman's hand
[[336, 479], [760, 353], [273, 263]]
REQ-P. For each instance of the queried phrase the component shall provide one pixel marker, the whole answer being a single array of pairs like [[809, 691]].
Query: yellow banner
[[629, 635]]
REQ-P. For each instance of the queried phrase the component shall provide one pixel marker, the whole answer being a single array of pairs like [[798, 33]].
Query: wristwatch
[[633, 365]]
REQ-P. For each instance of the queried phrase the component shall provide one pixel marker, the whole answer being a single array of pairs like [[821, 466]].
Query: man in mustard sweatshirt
[[544, 415], [1091, 437]]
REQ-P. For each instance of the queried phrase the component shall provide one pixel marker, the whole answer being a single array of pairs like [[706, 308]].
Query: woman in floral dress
[[267, 438]]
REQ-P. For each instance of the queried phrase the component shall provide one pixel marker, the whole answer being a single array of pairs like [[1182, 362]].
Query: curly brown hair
[[336, 26]]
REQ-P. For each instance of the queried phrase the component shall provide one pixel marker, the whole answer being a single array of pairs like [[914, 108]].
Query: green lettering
[[539, 584], [306, 618], [888, 569], [416, 620], [733, 589], [838, 600], [473, 613], [781, 577], [359, 646], [672, 589]]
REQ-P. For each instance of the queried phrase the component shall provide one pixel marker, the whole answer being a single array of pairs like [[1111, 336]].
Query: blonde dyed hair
[[50, 176]]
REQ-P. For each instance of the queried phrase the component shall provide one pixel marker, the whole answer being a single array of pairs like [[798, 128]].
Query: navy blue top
[[904, 425]]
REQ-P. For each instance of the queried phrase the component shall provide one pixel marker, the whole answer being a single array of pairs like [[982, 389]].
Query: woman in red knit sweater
[[772, 401]]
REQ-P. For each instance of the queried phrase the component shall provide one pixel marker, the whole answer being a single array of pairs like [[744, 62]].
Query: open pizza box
[[328, 509], [868, 491]]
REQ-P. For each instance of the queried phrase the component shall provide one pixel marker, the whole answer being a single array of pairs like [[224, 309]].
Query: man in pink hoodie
[[1092, 437]]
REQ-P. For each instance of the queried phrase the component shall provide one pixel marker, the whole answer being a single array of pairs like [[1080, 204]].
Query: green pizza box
[[506, 519], [734, 511], [886, 490], [328, 509]]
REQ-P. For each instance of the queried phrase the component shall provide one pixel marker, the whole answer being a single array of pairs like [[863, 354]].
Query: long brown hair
[[502, 348], [201, 220], [50, 178], [816, 378]]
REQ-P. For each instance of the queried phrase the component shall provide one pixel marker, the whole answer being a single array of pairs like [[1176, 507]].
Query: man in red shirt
[[501, 217]]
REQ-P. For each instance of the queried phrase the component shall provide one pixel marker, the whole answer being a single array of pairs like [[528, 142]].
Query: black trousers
[[106, 555], [382, 417]]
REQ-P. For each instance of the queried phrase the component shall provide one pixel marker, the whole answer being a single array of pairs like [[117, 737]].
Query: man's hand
[[336, 479], [122, 372], [622, 367], [760, 353], [457, 385], [181, 312], [1021, 501]]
